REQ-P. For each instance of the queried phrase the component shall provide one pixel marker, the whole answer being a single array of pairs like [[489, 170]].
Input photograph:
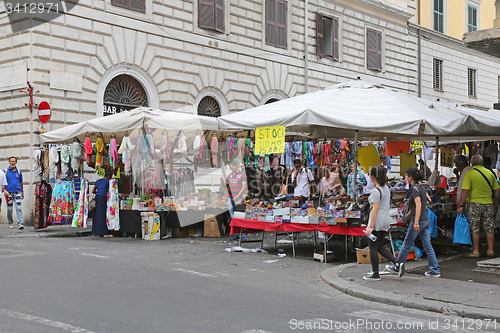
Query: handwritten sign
[[100, 172], [269, 140], [417, 144], [446, 157], [118, 173]]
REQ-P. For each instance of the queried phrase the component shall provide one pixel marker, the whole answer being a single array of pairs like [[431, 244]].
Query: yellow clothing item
[[99, 148], [479, 190]]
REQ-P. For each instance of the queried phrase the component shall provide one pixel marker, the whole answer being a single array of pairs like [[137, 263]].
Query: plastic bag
[[461, 234], [433, 221]]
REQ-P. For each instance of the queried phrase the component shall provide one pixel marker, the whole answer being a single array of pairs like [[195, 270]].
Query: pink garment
[[182, 145], [88, 149], [113, 152], [214, 146]]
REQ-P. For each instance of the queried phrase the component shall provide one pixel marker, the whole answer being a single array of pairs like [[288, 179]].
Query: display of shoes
[[281, 196]]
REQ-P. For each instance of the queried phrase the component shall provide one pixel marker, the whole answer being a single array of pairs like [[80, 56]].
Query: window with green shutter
[[471, 18]]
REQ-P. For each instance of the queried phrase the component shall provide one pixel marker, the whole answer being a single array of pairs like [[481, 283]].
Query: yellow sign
[[368, 157], [446, 157], [100, 172], [118, 173], [406, 161], [417, 151], [417, 144], [269, 140]]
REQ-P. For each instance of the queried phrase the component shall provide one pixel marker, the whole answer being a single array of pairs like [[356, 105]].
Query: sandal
[[490, 254], [472, 255]]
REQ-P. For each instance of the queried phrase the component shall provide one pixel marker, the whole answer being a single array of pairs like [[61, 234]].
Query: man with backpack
[[14, 192], [478, 202]]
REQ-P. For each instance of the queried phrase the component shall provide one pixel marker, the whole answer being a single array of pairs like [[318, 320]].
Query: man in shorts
[[479, 200]]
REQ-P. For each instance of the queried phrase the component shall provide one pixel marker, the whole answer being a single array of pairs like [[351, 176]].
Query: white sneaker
[[21, 227], [379, 273], [11, 226]]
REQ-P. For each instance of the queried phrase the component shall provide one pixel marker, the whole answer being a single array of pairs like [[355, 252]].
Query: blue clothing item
[[14, 180], [15, 200], [297, 150], [288, 155], [310, 155], [388, 163], [102, 186], [425, 236], [99, 226]]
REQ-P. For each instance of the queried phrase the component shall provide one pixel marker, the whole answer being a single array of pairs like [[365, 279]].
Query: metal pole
[[355, 163], [419, 53], [306, 52]]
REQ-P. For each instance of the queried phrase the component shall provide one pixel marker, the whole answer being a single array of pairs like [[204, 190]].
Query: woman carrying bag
[[379, 221], [419, 226]]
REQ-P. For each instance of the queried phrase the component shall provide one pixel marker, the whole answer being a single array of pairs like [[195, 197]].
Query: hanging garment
[[75, 156], [123, 145], [309, 149], [37, 162], [43, 194], [288, 155], [46, 164], [81, 210], [327, 154], [53, 158], [88, 149], [113, 210], [214, 146], [182, 145], [61, 204], [247, 151], [164, 147], [99, 146], [241, 148], [140, 147], [113, 152], [65, 158]]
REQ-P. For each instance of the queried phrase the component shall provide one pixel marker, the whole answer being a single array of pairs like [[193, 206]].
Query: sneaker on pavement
[[11, 227], [235, 237], [21, 227], [372, 277], [392, 268], [431, 273], [380, 273], [401, 269]]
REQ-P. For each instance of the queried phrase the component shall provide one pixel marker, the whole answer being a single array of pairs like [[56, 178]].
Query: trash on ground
[[270, 261], [282, 255]]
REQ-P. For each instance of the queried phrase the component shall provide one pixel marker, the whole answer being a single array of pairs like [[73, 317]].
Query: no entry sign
[[44, 112]]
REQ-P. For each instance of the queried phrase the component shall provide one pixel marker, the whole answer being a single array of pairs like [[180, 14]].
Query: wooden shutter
[[120, 3], [281, 11], [335, 24], [206, 14], [319, 34], [374, 49], [219, 15], [138, 5], [271, 22]]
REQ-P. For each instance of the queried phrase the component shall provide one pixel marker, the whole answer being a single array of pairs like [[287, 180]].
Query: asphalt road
[[180, 285]]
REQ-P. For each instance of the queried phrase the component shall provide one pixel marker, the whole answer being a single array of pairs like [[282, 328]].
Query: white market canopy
[[135, 119], [370, 109]]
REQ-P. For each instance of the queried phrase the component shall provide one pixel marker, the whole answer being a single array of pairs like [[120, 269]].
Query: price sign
[[417, 144], [118, 173], [446, 157], [269, 140], [100, 172], [417, 151]]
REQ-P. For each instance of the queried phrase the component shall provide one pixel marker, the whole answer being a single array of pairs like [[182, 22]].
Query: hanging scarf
[[46, 164], [123, 145], [182, 145], [75, 156], [99, 147], [64, 159], [247, 151], [214, 146], [113, 209], [164, 147], [88, 149], [113, 152], [37, 165], [140, 146]]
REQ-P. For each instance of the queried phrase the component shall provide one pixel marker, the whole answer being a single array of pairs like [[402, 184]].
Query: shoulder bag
[[407, 210]]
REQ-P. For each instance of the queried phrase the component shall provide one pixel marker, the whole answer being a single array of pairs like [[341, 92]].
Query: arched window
[[208, 106], [271, 100], [123, 93]]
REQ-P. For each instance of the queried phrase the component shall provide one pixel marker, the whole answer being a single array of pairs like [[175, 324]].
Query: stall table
[[239, 225]]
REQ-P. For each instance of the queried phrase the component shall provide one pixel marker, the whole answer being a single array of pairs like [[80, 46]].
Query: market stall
[[153, 169]]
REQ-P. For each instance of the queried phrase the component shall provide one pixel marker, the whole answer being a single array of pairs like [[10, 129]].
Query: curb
[[330, 276], [50, 235]]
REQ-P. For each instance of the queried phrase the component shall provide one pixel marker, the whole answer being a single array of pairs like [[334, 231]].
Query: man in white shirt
[[462, 167], [301, 178], [3, 183]]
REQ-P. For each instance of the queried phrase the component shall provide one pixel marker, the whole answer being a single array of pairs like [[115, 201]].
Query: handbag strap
[[482, 174]]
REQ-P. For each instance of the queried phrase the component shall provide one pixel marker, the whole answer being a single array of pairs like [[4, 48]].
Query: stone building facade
[[221, 56]]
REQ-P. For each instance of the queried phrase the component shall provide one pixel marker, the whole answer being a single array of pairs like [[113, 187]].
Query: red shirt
[[235, 181]]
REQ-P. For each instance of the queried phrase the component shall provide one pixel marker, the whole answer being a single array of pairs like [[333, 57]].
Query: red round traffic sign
[[44, 112]]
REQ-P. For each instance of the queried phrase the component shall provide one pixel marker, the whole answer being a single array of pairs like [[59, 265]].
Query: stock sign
[[446, 157], [269, 140]]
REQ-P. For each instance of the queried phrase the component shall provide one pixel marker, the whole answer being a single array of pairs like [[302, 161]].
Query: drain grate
[[461, 269]]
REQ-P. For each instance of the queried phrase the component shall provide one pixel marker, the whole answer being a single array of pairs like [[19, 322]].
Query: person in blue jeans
[[419, 226], [14, 192]]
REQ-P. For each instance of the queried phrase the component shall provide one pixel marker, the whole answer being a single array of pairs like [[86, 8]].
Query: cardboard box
[[211, 226], [282, 211], [342, 220], [300, 219], [363, 256], [240, 215], [311, 211], [150, 225], [320, 256], [128, 207], [313, 219]]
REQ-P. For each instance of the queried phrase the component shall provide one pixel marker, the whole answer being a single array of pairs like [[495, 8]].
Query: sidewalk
[[51, 231], [458, 294]]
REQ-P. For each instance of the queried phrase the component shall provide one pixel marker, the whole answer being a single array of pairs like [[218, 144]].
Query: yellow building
[[455, 17]]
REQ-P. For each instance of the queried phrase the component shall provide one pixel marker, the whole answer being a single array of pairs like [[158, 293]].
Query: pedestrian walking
[[3, 183], [14, 192], [479, 200], [419, 226], [379, 222]]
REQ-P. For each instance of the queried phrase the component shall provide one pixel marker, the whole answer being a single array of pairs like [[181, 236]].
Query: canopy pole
[[437, 154], [355, 163]]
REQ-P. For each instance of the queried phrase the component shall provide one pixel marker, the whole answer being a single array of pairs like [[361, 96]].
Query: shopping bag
[[433, 221], [461, 234]]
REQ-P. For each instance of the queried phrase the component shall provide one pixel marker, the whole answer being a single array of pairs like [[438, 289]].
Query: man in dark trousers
[[14, 192], [479, 200]]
